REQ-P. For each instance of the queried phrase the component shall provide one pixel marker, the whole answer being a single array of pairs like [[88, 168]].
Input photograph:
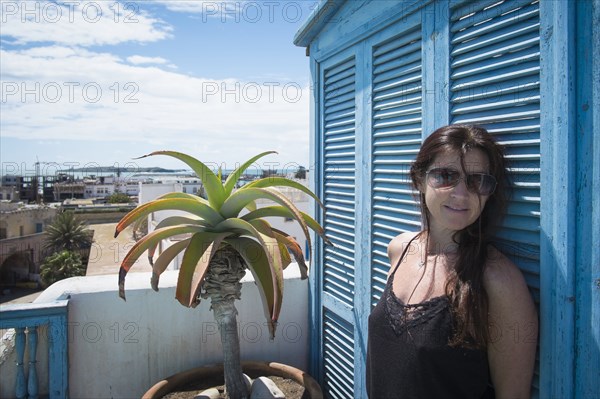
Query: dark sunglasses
[[478, 183]]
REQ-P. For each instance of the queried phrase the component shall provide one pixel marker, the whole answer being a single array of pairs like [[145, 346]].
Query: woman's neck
[[440, 242]]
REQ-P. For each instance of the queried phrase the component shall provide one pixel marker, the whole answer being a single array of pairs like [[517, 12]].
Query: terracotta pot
[[253, 369]]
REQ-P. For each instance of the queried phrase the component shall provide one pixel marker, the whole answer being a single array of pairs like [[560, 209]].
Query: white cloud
[[140, 60], [208, 7], [62, 90], [79, 23], [64, 93], [239, 10]]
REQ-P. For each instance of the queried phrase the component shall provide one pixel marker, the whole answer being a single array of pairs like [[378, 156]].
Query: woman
[[456, 319]]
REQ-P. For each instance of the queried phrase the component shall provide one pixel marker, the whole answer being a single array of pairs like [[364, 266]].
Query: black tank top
[[408, 355]]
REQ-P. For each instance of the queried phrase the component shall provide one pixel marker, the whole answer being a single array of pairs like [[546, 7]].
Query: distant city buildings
[[9, 193], [28, 204], [18, 219], [21, 240], [61, 187], [27, 188]]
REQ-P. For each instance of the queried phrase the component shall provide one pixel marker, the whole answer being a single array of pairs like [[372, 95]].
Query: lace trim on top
[[403, 317]]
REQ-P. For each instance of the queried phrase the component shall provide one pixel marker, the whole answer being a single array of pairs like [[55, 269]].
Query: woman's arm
[[513, 324]]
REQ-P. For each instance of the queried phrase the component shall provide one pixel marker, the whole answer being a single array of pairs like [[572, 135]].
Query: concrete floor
[[108, 252]]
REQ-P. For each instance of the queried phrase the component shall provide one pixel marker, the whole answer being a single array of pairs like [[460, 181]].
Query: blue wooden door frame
[[569, 181], [569, 308]]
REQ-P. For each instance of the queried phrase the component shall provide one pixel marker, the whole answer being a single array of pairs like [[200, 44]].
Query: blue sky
[[101, 82]]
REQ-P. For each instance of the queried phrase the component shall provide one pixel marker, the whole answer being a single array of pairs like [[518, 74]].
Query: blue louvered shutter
[[339, 174], [396, 138], [495, 83]]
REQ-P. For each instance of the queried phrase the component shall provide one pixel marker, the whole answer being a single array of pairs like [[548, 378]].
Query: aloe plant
[[224, 234]]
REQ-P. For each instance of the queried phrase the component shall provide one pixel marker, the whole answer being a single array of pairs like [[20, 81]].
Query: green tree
[[222, 241], [61, 265], [300, 173], [67, 232], [118, 198], [269, 172]]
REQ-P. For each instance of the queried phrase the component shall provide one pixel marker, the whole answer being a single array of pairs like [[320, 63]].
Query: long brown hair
[[465, 284]]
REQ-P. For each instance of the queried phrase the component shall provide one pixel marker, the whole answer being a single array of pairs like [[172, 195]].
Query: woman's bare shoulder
[[398, 244], [503, 280], [499, 270]]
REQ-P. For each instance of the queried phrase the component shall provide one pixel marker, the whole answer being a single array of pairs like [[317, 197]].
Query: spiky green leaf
[[281, 211], [212, 184], [251, 206], [235, 203], [269, 243], [266, 231], [194, 265], [181, 204], [237, 173], [292, 245], [146, 242], [176, 194], [257, 260], [273, 250], [164, 259], [174, 221], [276, 181]]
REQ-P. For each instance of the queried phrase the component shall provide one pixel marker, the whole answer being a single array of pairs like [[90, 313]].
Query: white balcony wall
[[119, 349]]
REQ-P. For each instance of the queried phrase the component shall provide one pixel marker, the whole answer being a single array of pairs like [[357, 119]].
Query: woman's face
[[454, 208]]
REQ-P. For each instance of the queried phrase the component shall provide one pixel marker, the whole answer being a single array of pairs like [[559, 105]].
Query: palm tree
[[67, 232], [61, 265], [221, 242]]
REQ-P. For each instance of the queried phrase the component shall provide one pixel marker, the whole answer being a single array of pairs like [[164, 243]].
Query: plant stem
[[226, 316], [222, 285]]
